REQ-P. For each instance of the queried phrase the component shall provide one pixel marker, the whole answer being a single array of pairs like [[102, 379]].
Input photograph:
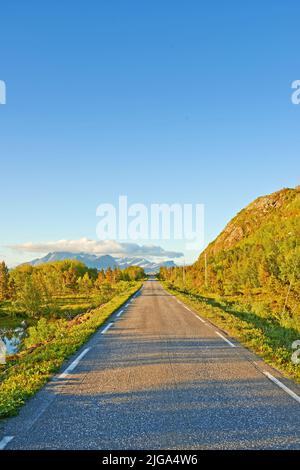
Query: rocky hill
[[280, 209]]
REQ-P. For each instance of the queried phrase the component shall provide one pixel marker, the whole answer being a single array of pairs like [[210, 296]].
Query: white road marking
[[127, 305], [203, 321], [74, 364], [106, 328], [282, 386], [120, 313], [225, 339], [199, 318], [5, 441]]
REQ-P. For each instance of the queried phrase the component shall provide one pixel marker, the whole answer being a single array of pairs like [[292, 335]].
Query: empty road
[[157, 377]]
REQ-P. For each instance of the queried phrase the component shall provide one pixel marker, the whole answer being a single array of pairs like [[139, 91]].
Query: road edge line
[[5, 441], [225, 339], [73, 364], [106, 328], [282, 386]]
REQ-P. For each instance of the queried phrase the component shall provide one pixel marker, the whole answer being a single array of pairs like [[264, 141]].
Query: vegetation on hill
[[253, 271]]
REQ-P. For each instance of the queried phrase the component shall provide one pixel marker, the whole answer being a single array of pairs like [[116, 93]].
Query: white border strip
[[195, 315], [5, 441], [225, 339], [120, 313], [282, 386], [74, 364], [198, 318], [106, 328]]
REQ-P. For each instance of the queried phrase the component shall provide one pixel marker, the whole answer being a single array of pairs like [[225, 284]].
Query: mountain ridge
[[102, 261]]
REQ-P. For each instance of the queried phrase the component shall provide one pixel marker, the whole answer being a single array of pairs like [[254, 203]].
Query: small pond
[[12, 338]]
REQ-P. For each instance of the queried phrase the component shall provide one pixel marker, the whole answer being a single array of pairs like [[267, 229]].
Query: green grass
[[260, 333], [71, 305], [30, 370], [65, 306], [10, 316]]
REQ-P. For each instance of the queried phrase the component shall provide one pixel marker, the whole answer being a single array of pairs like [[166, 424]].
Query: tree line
[[35, 288]]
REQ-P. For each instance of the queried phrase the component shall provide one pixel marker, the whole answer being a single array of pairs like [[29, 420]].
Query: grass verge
[[64, 306], [33, 368], [264, 336]]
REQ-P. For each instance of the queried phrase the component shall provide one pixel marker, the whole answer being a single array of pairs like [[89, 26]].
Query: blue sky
[[164, 102]]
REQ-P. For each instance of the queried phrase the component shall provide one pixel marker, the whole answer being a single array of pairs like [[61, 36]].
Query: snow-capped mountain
[[149, 266], [92, 261], [104, 261]]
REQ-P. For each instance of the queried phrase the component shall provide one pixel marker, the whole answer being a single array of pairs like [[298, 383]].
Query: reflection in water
[[13, 338]]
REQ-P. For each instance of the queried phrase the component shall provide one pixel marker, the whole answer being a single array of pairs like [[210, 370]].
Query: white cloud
[[106, 247]]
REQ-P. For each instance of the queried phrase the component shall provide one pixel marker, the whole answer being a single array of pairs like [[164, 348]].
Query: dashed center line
[[5, 441]]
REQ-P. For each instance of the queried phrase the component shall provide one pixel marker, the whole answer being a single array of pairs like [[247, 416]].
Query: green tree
[[85, 283], [29, 297], [70, 279], [4, 282]]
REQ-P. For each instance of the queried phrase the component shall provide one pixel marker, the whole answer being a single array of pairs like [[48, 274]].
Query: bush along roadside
[[25, 375], [263, 336]]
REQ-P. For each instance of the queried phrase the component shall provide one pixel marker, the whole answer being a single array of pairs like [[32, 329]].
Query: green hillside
[[258, 254], [250, 277]]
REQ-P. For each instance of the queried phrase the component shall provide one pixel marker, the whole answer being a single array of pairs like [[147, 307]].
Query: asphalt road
[[160, 378]]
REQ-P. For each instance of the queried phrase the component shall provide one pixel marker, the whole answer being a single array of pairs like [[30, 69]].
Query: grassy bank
[[268, 337], [26, 373], [64, 306]]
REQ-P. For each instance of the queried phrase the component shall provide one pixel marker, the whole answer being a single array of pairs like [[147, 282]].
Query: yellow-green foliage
[[58, 289], [256, 259]]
